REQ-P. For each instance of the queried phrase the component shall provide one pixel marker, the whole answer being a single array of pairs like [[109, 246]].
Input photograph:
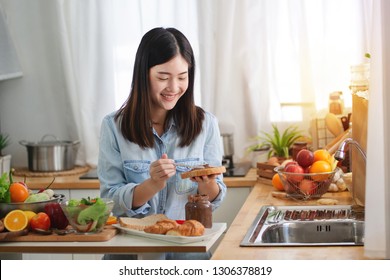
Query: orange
[[277, 182], [18, 192], [111, 220], [16, 220], [320, 166], [322, 154]]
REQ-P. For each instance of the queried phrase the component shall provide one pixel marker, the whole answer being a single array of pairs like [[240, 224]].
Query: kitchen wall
[[35, 104]]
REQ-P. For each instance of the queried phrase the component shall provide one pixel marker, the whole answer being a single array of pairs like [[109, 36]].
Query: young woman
[[157, 127]]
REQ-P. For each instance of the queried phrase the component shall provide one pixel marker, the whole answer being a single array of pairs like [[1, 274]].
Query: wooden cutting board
[[105, 235]]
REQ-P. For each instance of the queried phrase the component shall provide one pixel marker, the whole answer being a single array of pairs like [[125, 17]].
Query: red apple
[[308, 187], [290, 163], [305, 158], [40, 221], [294, 168]]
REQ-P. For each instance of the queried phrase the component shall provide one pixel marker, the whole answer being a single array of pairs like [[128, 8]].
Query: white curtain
[[276, 61], [85, 44], [98, 41], [251, 55]]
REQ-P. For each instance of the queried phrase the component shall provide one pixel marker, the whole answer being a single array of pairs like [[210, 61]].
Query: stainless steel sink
[[306, 226]]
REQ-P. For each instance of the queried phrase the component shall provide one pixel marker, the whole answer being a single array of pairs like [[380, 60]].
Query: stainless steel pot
[[54, 155]]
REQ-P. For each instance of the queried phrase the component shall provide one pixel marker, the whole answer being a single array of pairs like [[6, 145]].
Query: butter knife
[[192, 166]]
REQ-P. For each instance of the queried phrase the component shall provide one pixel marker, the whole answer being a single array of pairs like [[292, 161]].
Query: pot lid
[[49, 143]]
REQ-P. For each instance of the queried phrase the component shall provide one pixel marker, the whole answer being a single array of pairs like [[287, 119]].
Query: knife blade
[[191, 166]]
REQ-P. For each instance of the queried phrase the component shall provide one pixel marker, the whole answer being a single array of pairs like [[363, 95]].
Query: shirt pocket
[[185, 186], [136, 171]]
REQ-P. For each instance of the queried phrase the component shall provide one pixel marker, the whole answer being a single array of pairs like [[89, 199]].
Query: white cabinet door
[[235, 198]]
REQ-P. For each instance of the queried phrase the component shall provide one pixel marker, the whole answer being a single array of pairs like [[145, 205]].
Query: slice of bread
[[141, 223], [203, 172]]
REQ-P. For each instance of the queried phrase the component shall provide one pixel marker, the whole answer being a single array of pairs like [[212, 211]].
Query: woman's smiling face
[[168, 82]]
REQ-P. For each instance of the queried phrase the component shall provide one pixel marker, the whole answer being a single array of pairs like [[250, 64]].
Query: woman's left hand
[[204, 179], [207, 185]]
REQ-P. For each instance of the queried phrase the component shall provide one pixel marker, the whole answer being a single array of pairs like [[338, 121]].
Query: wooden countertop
[[74, 181], [229, 248]]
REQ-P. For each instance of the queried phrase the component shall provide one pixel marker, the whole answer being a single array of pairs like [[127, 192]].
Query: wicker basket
[[304, 186], [265, 170]]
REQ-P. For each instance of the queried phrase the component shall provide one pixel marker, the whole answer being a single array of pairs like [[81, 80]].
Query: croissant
[[188, 228], [161, 227]]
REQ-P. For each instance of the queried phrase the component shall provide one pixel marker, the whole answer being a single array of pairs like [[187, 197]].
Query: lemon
[[29, 215]]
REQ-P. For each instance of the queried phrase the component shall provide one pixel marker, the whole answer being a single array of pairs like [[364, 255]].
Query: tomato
[[40, 221], [57, 217]]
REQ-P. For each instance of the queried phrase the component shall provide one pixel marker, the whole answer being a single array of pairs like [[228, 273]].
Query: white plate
[[209, 233]]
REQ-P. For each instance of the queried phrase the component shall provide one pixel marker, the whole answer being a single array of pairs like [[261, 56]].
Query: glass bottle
[[336, 103], [199, 208], [297, 146]]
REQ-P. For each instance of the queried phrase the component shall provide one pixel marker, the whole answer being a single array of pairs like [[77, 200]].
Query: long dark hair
[[158, 46]]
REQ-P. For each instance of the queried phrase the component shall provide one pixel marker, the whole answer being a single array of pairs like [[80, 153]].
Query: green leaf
[[4, 188], [280, 142]]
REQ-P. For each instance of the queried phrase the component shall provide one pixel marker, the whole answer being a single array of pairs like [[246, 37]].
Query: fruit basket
[[304, 186]]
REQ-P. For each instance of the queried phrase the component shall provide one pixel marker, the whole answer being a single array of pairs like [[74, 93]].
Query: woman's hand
[[207, 185], [204, 179], [161, 170]]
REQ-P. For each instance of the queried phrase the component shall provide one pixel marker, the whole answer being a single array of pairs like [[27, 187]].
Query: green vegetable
[[93, 212], [88, 201], [4, 188], [73, 202], [37, 197]]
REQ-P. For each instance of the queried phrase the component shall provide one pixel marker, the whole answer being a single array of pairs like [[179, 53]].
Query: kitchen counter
[[261, 194], [121, 243], [74, 181]]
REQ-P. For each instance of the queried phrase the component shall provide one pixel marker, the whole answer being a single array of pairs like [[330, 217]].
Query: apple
[[308, 187], [305, 158], [40, 221], [292, 162], [294, 168], [57, 217]]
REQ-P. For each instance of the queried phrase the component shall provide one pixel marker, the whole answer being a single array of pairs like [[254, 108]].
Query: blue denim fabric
[[123, 165]]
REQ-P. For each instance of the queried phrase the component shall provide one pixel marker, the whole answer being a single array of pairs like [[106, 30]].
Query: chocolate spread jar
[[199, 208]]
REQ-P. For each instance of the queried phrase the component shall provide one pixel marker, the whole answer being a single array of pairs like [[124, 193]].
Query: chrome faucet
[[340, 153]]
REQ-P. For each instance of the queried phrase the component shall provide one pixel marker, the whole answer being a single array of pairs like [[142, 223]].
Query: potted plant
[[279, 143], [5, 160]]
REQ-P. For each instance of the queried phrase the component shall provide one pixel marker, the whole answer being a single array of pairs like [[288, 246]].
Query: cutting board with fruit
[[25, 236]]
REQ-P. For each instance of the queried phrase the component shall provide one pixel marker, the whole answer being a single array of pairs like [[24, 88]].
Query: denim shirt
[[123, 165]]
